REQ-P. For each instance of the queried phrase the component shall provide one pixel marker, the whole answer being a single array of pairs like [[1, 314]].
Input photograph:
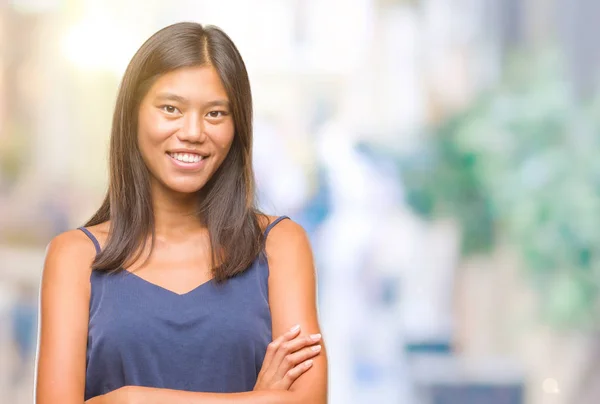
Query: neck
[[175, 214]]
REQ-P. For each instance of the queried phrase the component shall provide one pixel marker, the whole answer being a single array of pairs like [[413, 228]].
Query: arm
[[150, 395], [287, 358], [292, 298], [63, 320]]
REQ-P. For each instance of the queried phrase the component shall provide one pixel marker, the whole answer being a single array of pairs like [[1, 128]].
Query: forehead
[[197, 83]]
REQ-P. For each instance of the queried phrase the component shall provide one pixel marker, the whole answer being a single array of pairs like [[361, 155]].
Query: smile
[[186, 157], [189, 162]]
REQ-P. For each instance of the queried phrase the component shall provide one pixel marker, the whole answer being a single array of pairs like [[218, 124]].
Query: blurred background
[[441, 154]]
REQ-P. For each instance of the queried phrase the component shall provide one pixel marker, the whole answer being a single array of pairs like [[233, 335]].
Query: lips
[[186, 157], [191, 162]]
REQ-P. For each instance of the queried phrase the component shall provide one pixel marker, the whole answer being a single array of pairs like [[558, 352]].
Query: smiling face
[[185, 128]]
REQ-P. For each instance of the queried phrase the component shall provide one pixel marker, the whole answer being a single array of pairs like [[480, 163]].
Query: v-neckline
[[169, 291]]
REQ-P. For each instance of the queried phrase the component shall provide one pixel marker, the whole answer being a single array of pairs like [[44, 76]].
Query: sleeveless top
[[211, 339]]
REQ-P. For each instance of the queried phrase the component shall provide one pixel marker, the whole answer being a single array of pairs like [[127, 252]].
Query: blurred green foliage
[[522, 164]]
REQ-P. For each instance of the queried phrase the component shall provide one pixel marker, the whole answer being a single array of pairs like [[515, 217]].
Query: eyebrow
[[171, 97], [218, 103], [183, 100]]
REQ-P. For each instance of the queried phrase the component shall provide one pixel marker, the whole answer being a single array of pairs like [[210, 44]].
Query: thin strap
[[91, 236], [269, 227]]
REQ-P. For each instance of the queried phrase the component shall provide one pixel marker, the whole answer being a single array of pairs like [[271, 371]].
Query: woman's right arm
[[63, 320]]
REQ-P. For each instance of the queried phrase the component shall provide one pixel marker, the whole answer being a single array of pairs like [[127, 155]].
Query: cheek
[[152, 132], [223, 138]]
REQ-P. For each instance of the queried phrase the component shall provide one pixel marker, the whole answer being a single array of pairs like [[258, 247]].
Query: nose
[[192, 130]]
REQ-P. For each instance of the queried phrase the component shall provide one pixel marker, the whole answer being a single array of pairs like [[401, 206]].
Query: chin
[[184, 188], [187, 190]]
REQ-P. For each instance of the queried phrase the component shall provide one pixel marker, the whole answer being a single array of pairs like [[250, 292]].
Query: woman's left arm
[[292, 298]]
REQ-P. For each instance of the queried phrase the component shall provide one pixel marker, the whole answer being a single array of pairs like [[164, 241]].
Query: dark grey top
[[211, 339]]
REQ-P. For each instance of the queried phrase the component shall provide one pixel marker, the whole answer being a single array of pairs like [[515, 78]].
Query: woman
[[183, 290]]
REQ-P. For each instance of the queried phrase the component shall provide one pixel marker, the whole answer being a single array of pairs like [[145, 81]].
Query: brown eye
[[216, 114], [169, 109]]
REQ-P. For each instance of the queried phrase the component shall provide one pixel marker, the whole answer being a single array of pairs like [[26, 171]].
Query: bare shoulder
[[286, 233], [70, 245], [69, 254], [288, 248]]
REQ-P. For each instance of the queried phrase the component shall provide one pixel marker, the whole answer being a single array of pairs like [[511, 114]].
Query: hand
[[123, 395], [287, 358]]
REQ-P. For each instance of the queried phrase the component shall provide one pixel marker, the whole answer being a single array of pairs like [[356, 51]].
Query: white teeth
[[186, 158]]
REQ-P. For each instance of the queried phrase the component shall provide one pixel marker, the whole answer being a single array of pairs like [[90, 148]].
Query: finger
[[273, 347], [294, 359], [292, 346], [294, 373]]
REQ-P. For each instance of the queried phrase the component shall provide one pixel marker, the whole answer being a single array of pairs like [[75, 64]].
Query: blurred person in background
[[166, 294]]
